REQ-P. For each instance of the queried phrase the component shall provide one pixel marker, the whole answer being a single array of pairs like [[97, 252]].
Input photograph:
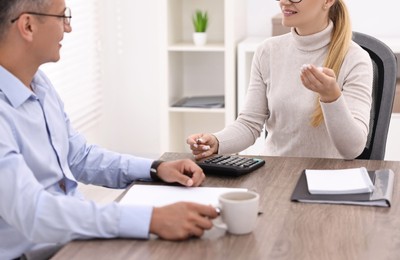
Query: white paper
[[344, 181], [158, 195]]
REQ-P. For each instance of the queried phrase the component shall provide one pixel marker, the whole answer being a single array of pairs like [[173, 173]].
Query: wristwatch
[[153, 170]]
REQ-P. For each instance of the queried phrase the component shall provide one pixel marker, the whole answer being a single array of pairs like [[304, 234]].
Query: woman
[[311, 88]]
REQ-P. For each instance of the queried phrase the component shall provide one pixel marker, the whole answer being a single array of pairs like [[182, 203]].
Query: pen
[[200, 141]]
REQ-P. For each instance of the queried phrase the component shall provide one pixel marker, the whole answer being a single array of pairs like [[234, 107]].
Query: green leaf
[[200, 21]]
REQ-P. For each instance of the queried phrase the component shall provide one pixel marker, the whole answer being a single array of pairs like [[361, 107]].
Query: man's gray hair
[[10, 9]]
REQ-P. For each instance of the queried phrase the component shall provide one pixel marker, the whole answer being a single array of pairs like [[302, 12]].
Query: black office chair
[[383, 92]]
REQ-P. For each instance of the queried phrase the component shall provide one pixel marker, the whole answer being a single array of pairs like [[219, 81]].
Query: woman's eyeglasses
[[293, 1], [66, 16]]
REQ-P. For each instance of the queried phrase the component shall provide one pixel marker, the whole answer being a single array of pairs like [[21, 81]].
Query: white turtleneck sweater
[[277, 98]]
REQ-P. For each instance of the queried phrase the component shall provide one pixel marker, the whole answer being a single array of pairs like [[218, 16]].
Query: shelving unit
[[190, 70]]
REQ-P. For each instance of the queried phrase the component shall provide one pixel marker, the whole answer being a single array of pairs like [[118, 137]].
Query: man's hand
[[185, 172], [182, 220]]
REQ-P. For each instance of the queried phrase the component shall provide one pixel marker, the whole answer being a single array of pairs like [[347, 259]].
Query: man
[[42, 157]]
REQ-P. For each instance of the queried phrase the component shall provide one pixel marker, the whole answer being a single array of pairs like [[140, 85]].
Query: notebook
[[381, 196], [342, 181]]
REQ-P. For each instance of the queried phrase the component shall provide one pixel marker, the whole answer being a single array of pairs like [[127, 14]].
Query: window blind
[[77, 76]]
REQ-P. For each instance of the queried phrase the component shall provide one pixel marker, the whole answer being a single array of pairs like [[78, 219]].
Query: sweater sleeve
[[247, 128], [347, 119]]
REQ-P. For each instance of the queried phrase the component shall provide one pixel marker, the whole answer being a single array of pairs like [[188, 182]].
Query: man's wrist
[[154, 170]]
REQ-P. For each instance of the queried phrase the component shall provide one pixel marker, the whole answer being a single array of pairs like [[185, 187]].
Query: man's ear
[[25, 27]]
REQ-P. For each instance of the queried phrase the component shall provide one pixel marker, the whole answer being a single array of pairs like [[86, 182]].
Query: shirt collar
[[314, 41], [15, 91]]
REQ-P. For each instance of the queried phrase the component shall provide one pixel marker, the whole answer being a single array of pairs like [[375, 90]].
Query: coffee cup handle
[[220, 225], [218, 221]]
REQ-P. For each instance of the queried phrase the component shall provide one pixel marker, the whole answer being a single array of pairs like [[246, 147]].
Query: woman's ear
[[328, 4]]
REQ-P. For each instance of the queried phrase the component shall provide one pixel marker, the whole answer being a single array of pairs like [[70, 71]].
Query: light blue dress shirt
[[38, 149]]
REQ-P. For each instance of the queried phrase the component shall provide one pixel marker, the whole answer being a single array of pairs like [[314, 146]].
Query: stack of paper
[[344, 181], [158, 195]]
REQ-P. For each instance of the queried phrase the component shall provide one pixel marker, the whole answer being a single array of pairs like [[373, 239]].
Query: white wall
[[393, 139], [131, 52], [132, 64]]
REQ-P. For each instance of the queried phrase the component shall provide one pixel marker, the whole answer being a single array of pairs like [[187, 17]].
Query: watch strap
[[153, 170]]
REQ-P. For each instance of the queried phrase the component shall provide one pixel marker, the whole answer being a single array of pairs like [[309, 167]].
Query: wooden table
[[286, 230]]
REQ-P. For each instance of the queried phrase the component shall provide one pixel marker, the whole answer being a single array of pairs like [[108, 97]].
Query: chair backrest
[[383, 92]]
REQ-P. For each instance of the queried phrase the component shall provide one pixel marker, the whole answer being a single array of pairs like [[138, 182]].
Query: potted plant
[[200, 23]]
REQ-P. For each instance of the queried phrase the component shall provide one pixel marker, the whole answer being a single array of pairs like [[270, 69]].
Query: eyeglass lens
[[67, 16], [293, 1]]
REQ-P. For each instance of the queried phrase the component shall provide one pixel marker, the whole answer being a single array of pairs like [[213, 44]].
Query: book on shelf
[[381, 195], [201, 102]]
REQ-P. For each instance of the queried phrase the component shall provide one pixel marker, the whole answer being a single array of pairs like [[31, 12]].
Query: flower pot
[[199, 38]]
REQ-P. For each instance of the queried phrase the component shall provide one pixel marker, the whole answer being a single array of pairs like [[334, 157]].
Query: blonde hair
[[341, 38]]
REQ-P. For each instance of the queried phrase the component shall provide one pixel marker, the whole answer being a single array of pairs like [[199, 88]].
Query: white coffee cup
[[239, 211]]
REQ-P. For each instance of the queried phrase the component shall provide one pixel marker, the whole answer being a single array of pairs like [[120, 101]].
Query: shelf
[[196, 110], [194, 71], [188, 46], [195, 74], [179, 19]]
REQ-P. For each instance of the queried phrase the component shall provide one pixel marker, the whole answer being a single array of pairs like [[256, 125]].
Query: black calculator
[[230, 165]]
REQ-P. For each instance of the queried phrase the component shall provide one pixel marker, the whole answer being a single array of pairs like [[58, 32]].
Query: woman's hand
[[203, 145], [322, 81]]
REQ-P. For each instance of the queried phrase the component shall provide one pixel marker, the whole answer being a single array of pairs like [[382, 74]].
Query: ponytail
[[340, 41]]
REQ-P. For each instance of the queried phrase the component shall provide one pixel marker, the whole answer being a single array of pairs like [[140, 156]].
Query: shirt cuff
[[139, 168], [135, 221]]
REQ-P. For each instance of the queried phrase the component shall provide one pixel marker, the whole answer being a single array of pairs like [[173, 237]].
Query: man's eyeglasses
[[293, 1], [66, 16]]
